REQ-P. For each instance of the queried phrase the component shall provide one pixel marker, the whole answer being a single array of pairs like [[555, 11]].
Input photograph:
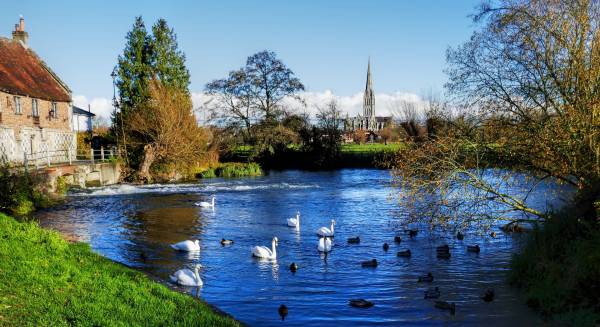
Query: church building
[[368, 121]]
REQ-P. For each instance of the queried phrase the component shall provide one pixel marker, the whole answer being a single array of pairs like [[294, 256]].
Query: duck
[[488, 296], [444, 255], [432, 293], [426, 279], [412, 232], [266, 253], [446, 306], [226, 242], [354, 240], [493, 234], [293, 267], [385, 247], [405, 253], [443, 248], [361, 303], [397, 239], [325, 244], [205, 204], [473, 248], [187, 277], [460, 236], [294, 222], [187, 245], [369, 263], [283, 311], [324, 231]]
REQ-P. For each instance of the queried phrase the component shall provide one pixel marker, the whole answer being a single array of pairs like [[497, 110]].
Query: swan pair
[[205, 204], [266, 253], [187, 277], [294, 222]]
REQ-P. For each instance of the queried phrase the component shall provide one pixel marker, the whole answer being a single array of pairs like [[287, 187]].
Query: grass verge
[[46, 281]]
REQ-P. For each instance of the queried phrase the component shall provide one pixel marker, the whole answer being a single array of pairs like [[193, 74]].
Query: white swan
[[265, 252], [324, 231], [187, 277], [294, 222], [325, 244], [205, 204], [187, 245]]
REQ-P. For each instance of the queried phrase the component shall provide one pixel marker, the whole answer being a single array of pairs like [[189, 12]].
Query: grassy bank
[[371, 148], [559, 269], [233, 169], [46, 281]]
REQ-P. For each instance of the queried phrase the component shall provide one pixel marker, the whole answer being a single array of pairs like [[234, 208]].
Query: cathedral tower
[[369, 96]]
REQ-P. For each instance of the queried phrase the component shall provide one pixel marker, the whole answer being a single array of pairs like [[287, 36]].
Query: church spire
[[369, 86], [369, 96]]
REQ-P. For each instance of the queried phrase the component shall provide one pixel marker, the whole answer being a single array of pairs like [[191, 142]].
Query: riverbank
[[369, 155], [44, 280], [559, 267]]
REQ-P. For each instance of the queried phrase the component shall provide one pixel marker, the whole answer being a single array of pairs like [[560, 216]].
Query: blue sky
[[327, 43]]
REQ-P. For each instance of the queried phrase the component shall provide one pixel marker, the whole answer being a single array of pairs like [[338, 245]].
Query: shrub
[[232, 169]]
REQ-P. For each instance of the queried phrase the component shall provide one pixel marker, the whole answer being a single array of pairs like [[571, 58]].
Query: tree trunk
[[149, 157]]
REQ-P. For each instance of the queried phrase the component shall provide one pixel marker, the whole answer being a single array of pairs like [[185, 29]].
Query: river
[[134, 225]]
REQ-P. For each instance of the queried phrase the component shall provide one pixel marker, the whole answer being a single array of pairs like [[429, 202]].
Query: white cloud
[[384, 103], [102, 107]]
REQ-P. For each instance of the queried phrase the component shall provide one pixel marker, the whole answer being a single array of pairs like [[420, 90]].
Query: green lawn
[[371, 147], [46, 281]]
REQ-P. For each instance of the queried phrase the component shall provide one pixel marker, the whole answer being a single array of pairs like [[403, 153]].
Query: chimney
[[19, 33]]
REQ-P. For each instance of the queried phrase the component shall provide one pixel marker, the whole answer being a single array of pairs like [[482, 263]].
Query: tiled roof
[[22, 72]]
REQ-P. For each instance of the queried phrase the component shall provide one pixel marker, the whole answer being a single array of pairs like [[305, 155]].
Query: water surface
[[135, 225]]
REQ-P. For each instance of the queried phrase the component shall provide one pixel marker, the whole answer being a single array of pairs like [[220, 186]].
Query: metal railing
[[49, 158]]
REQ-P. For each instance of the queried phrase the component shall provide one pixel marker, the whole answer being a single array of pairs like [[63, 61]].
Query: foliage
[[359, 136], [559, 268], [49, 282], [534, 66], [253, 94], [167, 61], [525, 90], [166, 128], [19, 191], [233, 169]]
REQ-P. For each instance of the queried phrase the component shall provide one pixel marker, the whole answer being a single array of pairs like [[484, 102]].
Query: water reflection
[[136, 225]]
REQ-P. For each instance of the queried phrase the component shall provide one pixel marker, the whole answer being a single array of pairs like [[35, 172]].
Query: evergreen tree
[[168, 62], [134, 68]]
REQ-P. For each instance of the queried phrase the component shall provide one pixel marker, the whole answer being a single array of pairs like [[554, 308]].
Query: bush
[[559, 269], [20, 191], [232, 169]]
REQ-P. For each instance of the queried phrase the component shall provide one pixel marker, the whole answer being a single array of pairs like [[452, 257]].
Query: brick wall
[[10, 119]]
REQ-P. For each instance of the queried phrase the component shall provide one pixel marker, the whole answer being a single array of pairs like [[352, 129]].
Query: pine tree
[[134, 68], [168, 62]]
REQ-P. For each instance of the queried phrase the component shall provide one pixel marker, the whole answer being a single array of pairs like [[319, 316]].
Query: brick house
[[35, 105]]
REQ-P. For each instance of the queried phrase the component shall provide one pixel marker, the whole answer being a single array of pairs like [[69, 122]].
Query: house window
[[17, 105], [34, 108], [53, 110]]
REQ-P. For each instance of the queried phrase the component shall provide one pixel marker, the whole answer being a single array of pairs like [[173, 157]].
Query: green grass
[[371, 147], [233, 169], [46, 281]]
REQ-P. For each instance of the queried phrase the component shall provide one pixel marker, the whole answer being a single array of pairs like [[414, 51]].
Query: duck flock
[[191, 277]]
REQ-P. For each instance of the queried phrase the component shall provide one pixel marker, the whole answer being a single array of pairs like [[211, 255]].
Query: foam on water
[[129, 189]]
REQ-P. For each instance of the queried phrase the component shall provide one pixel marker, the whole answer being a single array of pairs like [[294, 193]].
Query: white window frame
[[53, 110], [35, 110], [17, 101]]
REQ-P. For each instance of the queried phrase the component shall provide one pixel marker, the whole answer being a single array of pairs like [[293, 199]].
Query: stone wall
[[37, 137]]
